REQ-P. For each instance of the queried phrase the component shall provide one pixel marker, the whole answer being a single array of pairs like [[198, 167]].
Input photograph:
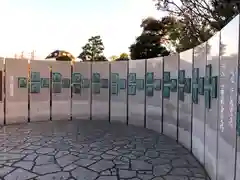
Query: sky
[[47, 25]]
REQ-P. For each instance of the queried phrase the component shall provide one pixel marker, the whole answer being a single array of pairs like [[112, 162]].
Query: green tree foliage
[[123, 57], [63, 58], [113, 57], [148, 44], [196, 20], [93, 50]]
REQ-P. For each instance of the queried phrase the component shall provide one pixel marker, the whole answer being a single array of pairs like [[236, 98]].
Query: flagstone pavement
[[92, 150]]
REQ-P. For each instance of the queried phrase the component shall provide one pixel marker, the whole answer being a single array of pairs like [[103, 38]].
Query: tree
[[178, 36], [113, 57], [198, 20], [148, 44], [93, 50], [123, 57]]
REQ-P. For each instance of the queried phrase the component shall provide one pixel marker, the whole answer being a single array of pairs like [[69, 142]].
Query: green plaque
[[195, 75], [115, 77], [22, 82], [207, 99], [238, 120], [57, 87], [173, 85], [208, 74], [122, 84], [181, 77], [166, 77], [114, 89], [157, 84], [195, 95], [86, 83], [214, 87], [56, 77], [96, 88], [65, 83], [149, 77], [150, 91], [187, 85], [76, 77], [131, 89], [96, 78], [166, 92], [181, 93], [35, 87], [76, 88], [201, 86], [45, 83], [35, 77], [132, 77], [104, 83], [140, 84]]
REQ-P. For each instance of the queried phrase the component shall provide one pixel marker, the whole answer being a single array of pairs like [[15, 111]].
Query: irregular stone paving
[[92, 150]]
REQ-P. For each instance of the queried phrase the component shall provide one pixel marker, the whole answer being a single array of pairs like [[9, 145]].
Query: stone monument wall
[[192, 97]]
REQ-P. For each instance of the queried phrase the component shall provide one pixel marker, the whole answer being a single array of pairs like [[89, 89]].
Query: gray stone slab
[[20, 174], [140, 165], [48, 168], [84, 174], [85, 162], [101, 165], [5, 170], [24, 164], [59, 175], [127, 174], [66, 160]]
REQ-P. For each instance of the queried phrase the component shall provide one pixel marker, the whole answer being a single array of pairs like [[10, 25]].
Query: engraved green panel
[[166, 92], [195, 95], [76, 77], [181, 77], [157, 84], [131, 89], [173, 85], [45, 83], [35, 77], [65, 83], [166, 77], [22, 82], [96, 78], [187, 85], [181, 93], [57, 87], [115, 77], [208, 74], [201, 86], [35, 87], [114, 89], [238, 120], [122, 84], [96, 88], [140, 84], [56, 77], [149, 91], [149, 78], [76, 88], [86, 83], [195, 75], [207, 99], [104, 83], [132, 77], [214, 86]]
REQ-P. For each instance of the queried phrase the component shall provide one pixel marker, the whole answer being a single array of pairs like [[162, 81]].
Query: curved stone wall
[[191, 97]]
